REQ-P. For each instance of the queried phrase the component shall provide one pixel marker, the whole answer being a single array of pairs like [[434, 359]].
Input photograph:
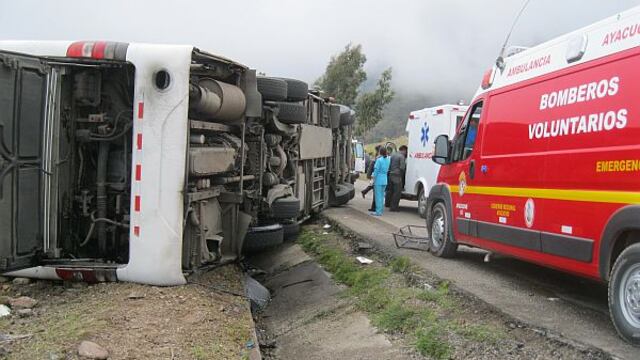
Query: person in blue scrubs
[[380, 172]]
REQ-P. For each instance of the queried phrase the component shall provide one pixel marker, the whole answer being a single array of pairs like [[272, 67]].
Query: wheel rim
[[630, 295], [437, 229], [422, 204]]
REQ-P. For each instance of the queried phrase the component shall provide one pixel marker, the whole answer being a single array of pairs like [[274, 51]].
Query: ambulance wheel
[[422, 204], [296, 90], [440, 243], [261, 238], [272, 89], [624, 294], [292, 113]]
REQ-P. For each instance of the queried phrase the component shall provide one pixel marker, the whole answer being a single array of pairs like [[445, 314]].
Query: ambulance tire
[[291, 230], [624, 308], [440, 243], [260, 238], [292, 113], [272, 89], [296, 90], [286, 208], [422, 204]]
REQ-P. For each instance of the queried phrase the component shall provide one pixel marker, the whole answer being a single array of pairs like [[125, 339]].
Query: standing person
[[369, 172], [380, 171], [397, 166]]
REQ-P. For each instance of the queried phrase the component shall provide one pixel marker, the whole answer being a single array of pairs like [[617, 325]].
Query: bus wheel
[[440, 243], [422, 204], [260, 238], [624, 294]]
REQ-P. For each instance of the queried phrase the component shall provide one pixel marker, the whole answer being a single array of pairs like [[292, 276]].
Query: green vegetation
[[427, 343], [343, 80], [370, 147], [393, 305], [401, 264], [344, 75], [370, 105]]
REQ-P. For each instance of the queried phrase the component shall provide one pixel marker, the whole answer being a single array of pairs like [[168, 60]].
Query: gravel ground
[[131, 321]]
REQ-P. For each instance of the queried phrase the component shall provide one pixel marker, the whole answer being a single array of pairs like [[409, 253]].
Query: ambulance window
[[466, 138], [458, 120]]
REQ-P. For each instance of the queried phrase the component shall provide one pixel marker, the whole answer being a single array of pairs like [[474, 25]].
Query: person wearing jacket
[[397, 167], [379, 175], [369, 173]]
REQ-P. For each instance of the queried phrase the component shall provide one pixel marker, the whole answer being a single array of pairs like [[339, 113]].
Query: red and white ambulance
[[545, 166]]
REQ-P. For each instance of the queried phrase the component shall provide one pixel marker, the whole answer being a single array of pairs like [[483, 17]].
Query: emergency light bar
[[487, 79]]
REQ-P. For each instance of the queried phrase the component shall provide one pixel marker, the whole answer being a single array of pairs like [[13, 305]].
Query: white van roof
[[436, 110], [611, 35]]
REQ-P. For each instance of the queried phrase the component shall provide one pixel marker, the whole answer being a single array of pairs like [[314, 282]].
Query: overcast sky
[[434, 46]]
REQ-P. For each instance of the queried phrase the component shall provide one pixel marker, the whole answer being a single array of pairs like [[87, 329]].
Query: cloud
[[435, 47]]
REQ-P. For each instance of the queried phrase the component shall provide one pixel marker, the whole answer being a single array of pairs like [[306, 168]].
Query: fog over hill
[[438, 49]]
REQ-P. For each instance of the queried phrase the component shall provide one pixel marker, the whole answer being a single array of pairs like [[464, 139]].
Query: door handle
[[472, 169]]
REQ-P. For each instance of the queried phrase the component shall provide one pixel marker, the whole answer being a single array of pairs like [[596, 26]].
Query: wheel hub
[[422, 203], [630, 295], [437, 230]]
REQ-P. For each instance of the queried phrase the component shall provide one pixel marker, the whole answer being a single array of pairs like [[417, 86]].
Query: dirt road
[[571, 307]]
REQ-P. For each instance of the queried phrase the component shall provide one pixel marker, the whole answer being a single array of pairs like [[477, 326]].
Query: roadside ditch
[[327, 305]]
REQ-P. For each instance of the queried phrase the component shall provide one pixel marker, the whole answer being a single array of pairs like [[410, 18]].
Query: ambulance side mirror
[[441, 152]]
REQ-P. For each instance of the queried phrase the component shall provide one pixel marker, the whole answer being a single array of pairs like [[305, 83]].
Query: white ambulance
[[423, 126]]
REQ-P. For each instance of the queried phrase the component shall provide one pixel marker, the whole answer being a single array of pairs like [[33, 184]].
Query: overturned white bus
[[140, 162]]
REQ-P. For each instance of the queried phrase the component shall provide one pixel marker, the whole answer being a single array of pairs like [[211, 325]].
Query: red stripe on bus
[[138, 172], [136, 203]]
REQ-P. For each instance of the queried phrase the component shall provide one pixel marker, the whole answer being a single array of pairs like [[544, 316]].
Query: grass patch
[[393, 305], [401, 265], [382, 292], [479, 333], [430, 343]]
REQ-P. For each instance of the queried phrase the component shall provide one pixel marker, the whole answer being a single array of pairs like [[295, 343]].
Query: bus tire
[[292, 113], [272, 89], [260, 238], [341, 194], [286, 208], [440, 243], [296, 90], [422, 203], [624, 294], [334, 115], [346, 116], [291, 230]]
